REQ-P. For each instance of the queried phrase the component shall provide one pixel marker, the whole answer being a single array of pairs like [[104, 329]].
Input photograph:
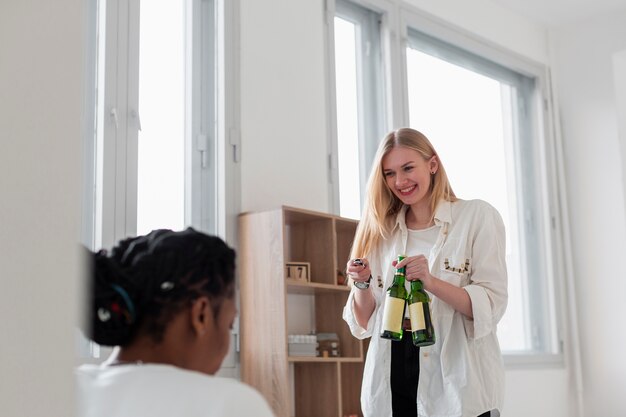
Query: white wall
[[583, 64], [488, 20], [284, 142], [619, 74], [283, 108], [40, 141]]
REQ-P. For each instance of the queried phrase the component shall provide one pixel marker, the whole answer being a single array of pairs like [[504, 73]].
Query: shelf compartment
[[313, 398], [307, 239], [350, 393], [328, 313]]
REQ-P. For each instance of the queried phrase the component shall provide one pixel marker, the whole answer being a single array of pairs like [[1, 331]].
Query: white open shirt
[[462, 374]]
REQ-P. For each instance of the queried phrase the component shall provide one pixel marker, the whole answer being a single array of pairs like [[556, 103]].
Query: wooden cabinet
[[318, 386]]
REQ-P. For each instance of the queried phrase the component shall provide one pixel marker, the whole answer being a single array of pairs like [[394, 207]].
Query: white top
[[462, 374], [163, 391], [420, 242]]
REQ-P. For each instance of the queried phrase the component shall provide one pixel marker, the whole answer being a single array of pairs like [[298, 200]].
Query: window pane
[[161, 173], [469, 118], [347, 118]]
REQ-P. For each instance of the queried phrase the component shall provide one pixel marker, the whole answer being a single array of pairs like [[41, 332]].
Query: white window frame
[[213, 192], [115, 197], [372, 116], [397, 18], [527, 151], [546, 197]]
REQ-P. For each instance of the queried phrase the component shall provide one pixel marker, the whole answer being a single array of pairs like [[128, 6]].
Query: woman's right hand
[[359, 269], [364, 303]]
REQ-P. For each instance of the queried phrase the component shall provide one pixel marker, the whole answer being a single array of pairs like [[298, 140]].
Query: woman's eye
[[408, 169], [388, 174]]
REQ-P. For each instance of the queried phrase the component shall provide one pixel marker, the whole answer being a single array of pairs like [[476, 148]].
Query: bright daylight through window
[[155, 153], [462, 114], [485, 121], [161, 164]]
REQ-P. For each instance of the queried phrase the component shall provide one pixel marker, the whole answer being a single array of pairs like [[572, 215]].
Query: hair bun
[[113, 313]]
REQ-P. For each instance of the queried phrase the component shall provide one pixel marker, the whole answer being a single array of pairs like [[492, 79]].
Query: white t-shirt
[[419, 242], [153, 390]]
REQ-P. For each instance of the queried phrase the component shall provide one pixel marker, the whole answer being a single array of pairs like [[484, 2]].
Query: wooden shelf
[[269, 302], [318, 359], [295, 286]]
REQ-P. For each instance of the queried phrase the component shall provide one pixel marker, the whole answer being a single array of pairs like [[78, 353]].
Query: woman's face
[[408, 174]]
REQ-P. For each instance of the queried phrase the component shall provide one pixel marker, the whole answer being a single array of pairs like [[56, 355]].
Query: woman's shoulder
[[472, 206], [474, 211], [219, 395]]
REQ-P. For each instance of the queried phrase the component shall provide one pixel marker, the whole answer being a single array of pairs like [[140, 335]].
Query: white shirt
[[419, 242], [462, 374], [153, 390]]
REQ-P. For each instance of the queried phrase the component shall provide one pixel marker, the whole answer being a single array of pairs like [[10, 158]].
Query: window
[[154, 159], [480, 117], [359, 101], [484, 110], [151, 162]]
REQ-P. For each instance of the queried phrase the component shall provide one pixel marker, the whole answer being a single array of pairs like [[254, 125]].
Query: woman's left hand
[[416, 267]]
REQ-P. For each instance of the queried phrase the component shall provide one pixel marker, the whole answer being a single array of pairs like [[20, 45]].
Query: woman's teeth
[[407, 190]]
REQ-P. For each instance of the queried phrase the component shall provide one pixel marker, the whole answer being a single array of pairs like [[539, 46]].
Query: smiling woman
[[166, 300], [456, 248]]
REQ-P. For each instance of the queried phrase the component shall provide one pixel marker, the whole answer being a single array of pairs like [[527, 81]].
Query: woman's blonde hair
[[381, 204]]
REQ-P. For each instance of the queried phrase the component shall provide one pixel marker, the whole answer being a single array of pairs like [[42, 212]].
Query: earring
[[432, 172]]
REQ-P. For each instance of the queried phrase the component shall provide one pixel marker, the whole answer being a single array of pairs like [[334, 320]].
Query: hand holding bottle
[[416, 267]]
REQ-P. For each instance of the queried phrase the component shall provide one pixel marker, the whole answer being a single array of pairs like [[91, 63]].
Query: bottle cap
[[400, 270]]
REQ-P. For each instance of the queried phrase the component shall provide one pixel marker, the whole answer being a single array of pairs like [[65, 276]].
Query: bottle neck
[[417, 285], [398, 277]]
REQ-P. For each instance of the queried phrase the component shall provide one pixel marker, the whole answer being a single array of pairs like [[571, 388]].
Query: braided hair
[[145, 281]]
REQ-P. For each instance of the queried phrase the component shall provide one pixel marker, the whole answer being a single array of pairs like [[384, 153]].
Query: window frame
[[372, 115], [397, 18], [110, 187], [214, 192], [526, 151]]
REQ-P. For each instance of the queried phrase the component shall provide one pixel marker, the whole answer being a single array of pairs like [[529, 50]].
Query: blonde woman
[[457, 249]]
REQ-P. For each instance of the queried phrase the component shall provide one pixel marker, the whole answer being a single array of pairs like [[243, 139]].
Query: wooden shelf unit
[[325, 387]]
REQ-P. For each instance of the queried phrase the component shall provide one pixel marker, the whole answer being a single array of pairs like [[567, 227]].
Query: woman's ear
[[202, 320], [433, 164]]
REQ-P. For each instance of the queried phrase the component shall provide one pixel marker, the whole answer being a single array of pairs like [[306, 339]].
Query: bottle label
[[416, 310], [393, 314]]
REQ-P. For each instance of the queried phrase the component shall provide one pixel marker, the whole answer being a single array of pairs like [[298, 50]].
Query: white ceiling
[[558, 12]]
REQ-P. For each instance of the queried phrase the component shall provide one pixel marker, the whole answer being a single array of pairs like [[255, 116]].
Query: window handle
[[135, 115], [113, 114], [203, 147]]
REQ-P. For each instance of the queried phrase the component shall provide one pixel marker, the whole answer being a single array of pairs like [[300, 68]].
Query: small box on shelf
[[300, 271], [302, 344], [328, 345]]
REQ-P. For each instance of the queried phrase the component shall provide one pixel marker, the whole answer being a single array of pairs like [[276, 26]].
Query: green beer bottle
[[395, 301], [422, 330]]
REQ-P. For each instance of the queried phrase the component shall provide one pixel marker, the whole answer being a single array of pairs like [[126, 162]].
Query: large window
[[154, 159], [484, 117], [359, 101], [480, 117]]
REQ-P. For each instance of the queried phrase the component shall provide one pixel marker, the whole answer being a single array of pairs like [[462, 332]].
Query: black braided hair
[[146, 280]]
